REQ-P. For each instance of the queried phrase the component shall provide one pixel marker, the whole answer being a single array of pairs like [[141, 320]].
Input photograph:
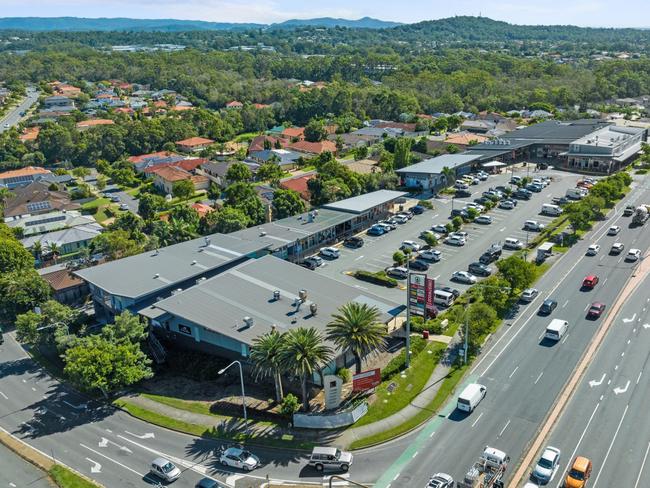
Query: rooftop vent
[[193, 262], [177, 291], [156, 252], [207, 241], [302, 294], [313, 308], [200, 280], [157, 275], [262, 233], [276, 295], [248, 323]]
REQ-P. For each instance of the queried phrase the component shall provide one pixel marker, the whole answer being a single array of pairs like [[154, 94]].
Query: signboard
[[429, 290], [333, 385], [366, 380], [421, 295]]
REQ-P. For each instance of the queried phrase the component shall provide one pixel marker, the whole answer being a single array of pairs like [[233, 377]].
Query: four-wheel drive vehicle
[[547, 465], [617, 248], [479, 269], [330, 458], [629, 210], [398, 272], [512, 243], [547, 307]]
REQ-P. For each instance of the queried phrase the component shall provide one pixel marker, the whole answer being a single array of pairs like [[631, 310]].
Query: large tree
[[149, 205], [238, 172], [230, 219], [518, 272], [14, 256], [183, 189], [21, 291], [315, 131], [243, 197], [304, 354], [287, 203], [356, 328], [116, 244], [266, 355]]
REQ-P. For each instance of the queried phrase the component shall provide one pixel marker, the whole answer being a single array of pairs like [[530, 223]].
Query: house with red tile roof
[[124, 110], [193, 144], [257, 143], [313, 148], [29, 134], [260, 106], [167, 176], [182, 108], [66, 288], [299, 184], [154, 159], [202, 209], [234, 105], [190, 165], [294, 133], [87, 124], [23, 176]]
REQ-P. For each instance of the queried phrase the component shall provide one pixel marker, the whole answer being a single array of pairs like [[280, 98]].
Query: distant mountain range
[[173, 25]]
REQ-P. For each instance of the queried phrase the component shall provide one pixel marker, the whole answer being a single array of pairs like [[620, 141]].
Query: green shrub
[[434, 326], [456, 223], [641, 171], [472, 213], [397, 364], [426, 204], [378, 278], [430, 239], [344, 374], [290, 405], [399, 257]]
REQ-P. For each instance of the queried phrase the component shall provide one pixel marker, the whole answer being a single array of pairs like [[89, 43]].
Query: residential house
[[34, 199], [67, 288], [234, 105], [190, 165], [257, 143], [29, 134], [58, 103], [299, 185], [282, 157], [313, 148], [363, 166], [20, 177], [261, 106], [167, 176], [65, 90], [193, 144], [51, 221], [478, 126], [202, 209], [294, 133], [154, 159], [68, 241], [216, 172], [462, 140], [87, 124]]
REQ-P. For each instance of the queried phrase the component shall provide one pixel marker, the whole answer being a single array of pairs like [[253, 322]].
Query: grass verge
[[445, 390], [64, 478], [269, 439], [406, 388]]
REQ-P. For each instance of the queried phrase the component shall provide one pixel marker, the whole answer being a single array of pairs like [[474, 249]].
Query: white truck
[[640, 215], [488, 471]]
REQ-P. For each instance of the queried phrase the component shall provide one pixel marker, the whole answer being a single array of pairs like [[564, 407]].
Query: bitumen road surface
[[377, 251], [15, 472], [13, 117]]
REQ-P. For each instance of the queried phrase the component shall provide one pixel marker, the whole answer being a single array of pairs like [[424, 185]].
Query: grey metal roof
[[221, 303], [62, 237], [280, 233], [437, 164], [146, 273], [363, 203]]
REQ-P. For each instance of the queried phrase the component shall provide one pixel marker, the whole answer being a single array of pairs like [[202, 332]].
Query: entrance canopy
[[493, 164]]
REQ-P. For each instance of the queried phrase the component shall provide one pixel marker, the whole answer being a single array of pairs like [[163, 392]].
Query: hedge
[[398, 363], [378, 278]]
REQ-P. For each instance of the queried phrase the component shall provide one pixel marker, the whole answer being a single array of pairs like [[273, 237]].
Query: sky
[[594, 13]]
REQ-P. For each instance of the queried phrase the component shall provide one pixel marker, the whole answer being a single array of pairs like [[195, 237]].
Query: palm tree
[[181, 230], [304, 353], [37, 250], [266, 355], [449, 174], [54, 249], [356, 329]]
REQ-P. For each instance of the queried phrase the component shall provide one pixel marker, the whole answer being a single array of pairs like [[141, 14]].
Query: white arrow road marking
[[593, 383], [148, 435], [81, 406], [104, 442], [646, 326], [112, 460], [96, 467], [618, 390], [630, 320]]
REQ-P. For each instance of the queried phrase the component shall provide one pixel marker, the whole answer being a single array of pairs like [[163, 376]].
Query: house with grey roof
[[68, 241]]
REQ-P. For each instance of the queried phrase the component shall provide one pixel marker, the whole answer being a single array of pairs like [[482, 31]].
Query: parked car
[[596, 310], [463, 194], [459, 185], [507, 204], [430, 255], [547, 307], [463, 277], [410, 245], [124, 206], [164, 469], [483, 219], [207, 483], [115, 198], [480, 208], [439, 228], [482, 175], [459, 233], [479, 269], [560, 200], [315, 261], [613, 230], [512, 243], [522, 194], [429, 233], [590, 282], [389, 224], [398, 272], [455, 241], [633, 255], [376, 230], [353, 242], [482, 200], [239, 458], [533, 225], [459, 212], [418, 209], [547, 466], [449, 289], [529, 294], [401, 219], [617, 248], [330, 252], [593, 249], [419, 265], [534, 187], [440, 480]]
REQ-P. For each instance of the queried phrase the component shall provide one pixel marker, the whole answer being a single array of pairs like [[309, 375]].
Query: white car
[[482, 175], [477, 206], [330, 252], [455, 241], [411, 245], [440, 480], [239, 458], [401, 219], [460, 233], [593, 250], [430, 255], [164, 469], [613, 230], [506, 205], [483, 219], [633, 255], [529, 294], [547, 465], [533, 225], [463, 277], [441, 229]]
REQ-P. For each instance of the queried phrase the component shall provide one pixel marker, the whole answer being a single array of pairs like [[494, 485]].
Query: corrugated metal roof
[[437, 164], [363, 203]]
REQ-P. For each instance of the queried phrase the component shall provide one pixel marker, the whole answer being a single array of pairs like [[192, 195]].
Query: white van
[[556, 329], [552, 210], [443, 298], [576, 193], [471, 397]]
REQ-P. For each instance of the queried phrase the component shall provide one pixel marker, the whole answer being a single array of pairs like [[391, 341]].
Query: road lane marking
[[642, 466], [502, 229], [476, 421], [618, 389], [565, 338], [611, 444], [593, 383], [96, 467], [4, 396], [565, 304], [414, 454], [513, 372], [639, 377], [396, 476], [586, 307], [538, 378], [431, 435], [604, 281], [504, 428], [113, 460], [196, 467], [360, 257]]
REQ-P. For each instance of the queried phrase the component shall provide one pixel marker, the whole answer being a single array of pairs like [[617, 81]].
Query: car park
[[376, 230], [430, 255], [507, 205], [330, 252], [596, 310], [613, 230], [547, 466], [441, 229], [533, 225], [522, 194], [239, 458], [455, 241], [491, 255], [419, 265], [479, 269], [164, 469], [463, 277], [483, 219], [617, 248], [330, 458], [590, 282], [398, 272], [459, 212], [593, 249], [528, 295], [547, 307], [512, 243], [463, 193], [633, 255], [353, 242], [410, 245], [440, 480]]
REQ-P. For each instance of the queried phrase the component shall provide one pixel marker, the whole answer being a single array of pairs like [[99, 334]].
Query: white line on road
[[610, 446], [360, 257], [538, 378], [504, 428], [396, 476], [113, 460], [96, 467], [431, 435], [602, 257], [414, 454], [513, 372], [4, 396], [565, 338], [586, 307], [604, 281], [476, 421], [541, 335], [502, 229], [642, 465], [565, 304], [639, 377], [578, 444]]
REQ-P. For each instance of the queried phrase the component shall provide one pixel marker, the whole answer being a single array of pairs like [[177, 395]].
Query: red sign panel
[[366, 380], [429, 297]]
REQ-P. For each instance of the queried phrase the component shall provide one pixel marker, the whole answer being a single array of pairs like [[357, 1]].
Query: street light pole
[[407, 362], [466, 336], [243, 393]]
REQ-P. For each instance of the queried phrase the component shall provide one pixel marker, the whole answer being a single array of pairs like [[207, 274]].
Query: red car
[[596, 310], [590, 281]]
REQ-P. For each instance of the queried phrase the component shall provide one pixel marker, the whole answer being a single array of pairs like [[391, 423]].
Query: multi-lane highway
[[13, 117], [15, 471]]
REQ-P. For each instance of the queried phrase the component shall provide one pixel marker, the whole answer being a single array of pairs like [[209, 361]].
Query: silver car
[[239, 458], [547, 465], [164, 469]]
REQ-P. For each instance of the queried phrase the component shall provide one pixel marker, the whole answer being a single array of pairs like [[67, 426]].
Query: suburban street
[[13, 117]]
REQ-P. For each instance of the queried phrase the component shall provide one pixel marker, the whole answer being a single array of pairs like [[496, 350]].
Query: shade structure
[[493, 164]]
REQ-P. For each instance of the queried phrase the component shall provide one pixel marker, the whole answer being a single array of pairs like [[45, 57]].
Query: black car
[[522, 195], [482, 200], [547, 307], [479, 269], [449, 289], [417, 210], [463, 193], [459, 212], [419, 265], [560, 200], [353, 242], [207, 483]]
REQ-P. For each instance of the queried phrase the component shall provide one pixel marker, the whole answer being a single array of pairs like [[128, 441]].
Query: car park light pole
[[407, 361], [243, 393]]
